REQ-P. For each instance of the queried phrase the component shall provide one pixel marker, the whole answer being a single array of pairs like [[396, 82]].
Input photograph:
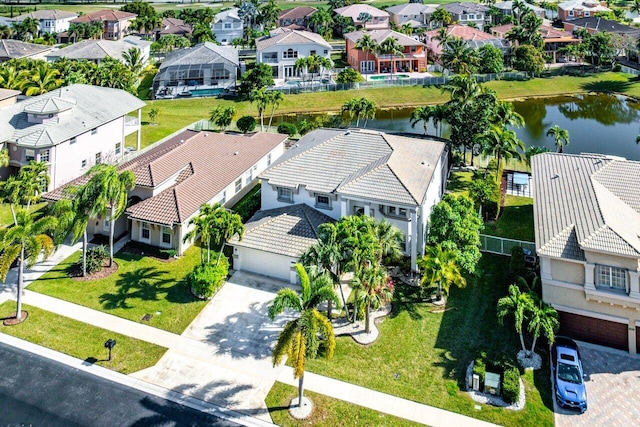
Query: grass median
[[81, 340]]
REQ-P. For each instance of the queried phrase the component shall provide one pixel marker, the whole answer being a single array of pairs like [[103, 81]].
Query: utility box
[[476, 382], [492, 383]]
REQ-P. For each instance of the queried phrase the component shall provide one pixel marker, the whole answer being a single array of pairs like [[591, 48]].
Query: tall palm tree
[[111, 189], [366, 110], [560, 137], [440, 270], [391, 46], [377, 289], [441, 16], [299, 337], [222, 116], [275, 98], [25, 241], [504, 114], [133, 60], [635, 7], [422, 114], [458, 57], [261, 98], [350, 107], [389, 239], [269, 13], [543, 318], [321, 20], [501, 143], [463, 89], [516, 304]]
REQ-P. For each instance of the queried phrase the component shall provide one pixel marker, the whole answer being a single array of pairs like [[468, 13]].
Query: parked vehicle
[[568, 375]]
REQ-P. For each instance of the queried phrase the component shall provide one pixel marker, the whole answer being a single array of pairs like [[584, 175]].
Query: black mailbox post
[[110, 344]]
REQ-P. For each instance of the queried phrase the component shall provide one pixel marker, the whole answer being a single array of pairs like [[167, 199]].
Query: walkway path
[[224, 359]]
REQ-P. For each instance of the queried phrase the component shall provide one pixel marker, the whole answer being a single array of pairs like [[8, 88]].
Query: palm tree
[[269, 13], [133, 60], [440, 270], [504, 114], [407, 29], [501, 143], [543, 318], [422, 114], [463, 89], [222, 116], [43, 79], [364, 18], [366, 110], [389, 239], [25, 241], [111, 190], [12, 78], [261, 99], [560, 137], [516, 304], [377, 289], [275, 98], [350, 107], [441, 16], [458, 57], [532, 151], [321, 20], [299, 337], [391, 46], [635, 7], [443, 37]]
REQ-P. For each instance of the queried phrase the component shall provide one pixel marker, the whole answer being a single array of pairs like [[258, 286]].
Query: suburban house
[[207, 65], [473, 37], [49, 21], [414, 57], [98, 50], [365, 16], [506, 9], [174, 178], [396, 177], [587, 226], [418, 15], [296, 18], [596, 25], [16, 49], [467, 13], [282, 48], [174, 26], [554, 39], [227, 26], [115, 22], [71, 128], [8, 97], [574, 9]]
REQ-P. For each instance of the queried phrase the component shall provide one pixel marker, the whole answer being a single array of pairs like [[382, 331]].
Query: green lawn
[[326, 411], [423, 356], [516, 220], [5, 213], [80, 340], [142, 285]]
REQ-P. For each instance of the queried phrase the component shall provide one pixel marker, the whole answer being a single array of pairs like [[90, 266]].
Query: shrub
[[246, 124], [480, 366], [206, 279], [96, 256], [617, 68], [287, 128], [349, 75], [511, 384], [248, 205], [516, 263]]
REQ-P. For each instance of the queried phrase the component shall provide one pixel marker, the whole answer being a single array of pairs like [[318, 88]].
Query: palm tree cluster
[[313, 64], [560, 137], [85, 30], [222, 116], [527, 309], [362, 108], [440, 270], [435, 113], [264, 98]]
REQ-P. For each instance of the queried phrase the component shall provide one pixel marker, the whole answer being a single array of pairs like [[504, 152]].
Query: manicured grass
[[5, 213], [80, 340], [142, 285], [326, 411], [177, 113], [458, 182], [516, 220], [423, 356]]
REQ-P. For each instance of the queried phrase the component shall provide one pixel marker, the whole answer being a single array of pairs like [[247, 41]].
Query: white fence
[[503, 246]]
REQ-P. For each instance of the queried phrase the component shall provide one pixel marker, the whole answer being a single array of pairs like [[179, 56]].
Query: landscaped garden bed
[[81, 340], [143, 287]]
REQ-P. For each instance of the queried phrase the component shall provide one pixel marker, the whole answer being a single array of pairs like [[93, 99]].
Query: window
[[248, 178], [118, 147], [571, 13], [471, 17], [144, 231], [268, 159], [326, 52], [166, 236], [290, 53], [391, 210], [223, 198], [285, 194], [98, 158], [611, 277], [72, 140], [84, 163], [312, 52], [413, 48], [238, 184], [402, 212], [586, 13], [44, 155], [323, 201], [94, 131], [227, 26], [29, 155]]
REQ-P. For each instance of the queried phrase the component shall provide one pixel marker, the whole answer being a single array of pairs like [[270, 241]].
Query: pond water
[[605, 124]]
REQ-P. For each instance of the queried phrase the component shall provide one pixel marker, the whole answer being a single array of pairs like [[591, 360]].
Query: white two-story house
[[227, 26], [466, 13], [587, 226], [71, 128], [336, 173], [282, 48], [49, 21]]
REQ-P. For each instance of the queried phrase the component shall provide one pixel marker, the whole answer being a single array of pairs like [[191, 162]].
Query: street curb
[[152, 389]]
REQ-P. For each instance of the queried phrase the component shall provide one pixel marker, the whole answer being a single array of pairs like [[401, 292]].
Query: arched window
[[290, 53]]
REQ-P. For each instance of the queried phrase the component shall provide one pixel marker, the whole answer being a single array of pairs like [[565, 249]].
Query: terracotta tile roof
[[299, 12], [105, 15], [381, 35]]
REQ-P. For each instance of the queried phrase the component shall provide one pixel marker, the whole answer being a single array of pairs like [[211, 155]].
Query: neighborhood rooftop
[[290, 37], [372, 164], [99, 49], [381, 35], [586, 202]]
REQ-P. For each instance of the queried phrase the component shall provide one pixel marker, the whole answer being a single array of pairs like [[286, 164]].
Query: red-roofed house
[[414, 59], [176, 177], [474, 38], [554, 38], [296, 18], [116, 23]]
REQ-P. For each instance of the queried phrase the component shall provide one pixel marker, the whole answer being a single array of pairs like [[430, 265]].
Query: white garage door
[[265, 263]]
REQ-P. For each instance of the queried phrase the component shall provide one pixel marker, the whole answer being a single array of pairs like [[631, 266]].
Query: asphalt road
[[36, 391]]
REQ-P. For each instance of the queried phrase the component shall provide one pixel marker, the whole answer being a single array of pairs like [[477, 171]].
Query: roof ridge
[[403, 184], [175, 200], [568, 228], [306, 216]]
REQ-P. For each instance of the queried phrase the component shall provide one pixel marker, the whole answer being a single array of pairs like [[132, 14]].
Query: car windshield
[[569, 373]]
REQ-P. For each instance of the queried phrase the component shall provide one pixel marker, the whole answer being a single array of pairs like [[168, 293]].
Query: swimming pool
[[388, 77], [206, 92]]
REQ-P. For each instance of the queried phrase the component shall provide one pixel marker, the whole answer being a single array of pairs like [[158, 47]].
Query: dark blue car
[[568, 374]]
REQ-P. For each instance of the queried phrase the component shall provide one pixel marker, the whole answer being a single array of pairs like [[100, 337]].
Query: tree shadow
[[607, 86], [164, 412], [407, 299], [145, 283], [456, 183]]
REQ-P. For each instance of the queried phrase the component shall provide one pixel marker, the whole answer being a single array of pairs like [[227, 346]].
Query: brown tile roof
[[105, 15], [204, 165], [463, 32], [297, 12]]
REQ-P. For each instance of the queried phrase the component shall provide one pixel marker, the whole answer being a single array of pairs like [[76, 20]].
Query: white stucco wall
[[304, 50], [265, 263], [227, 35]]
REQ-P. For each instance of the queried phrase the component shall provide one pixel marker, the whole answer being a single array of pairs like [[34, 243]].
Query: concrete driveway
[[613, 389], [233, 369]]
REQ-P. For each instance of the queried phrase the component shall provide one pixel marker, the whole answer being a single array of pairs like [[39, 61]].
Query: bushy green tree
[[529, 59], [260, 76], [491, 59]]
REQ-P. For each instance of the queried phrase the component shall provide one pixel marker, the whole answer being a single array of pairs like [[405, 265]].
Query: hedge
[[206, 279], [511, 385]]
